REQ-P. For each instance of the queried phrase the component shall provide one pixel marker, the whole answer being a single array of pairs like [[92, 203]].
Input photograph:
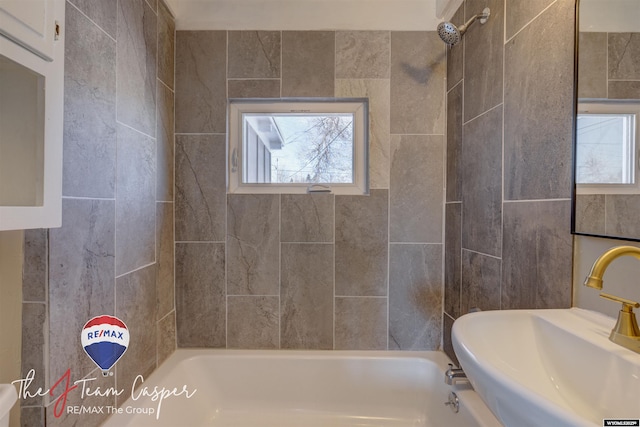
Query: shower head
[[451, 35]]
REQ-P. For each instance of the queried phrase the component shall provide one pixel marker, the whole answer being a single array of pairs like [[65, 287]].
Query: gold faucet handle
[[627, 305]]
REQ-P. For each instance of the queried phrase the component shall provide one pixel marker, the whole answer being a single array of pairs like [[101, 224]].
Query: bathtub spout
[[454, 375]]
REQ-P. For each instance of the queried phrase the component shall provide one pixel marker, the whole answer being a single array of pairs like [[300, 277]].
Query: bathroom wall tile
[[377, 91], [164, 258], [360, 323], [481, 275], [452, 260], [483, 55], [624, 90], [81, 276], [455, 55], [362, 54], [253, 244], [136, 200], [254, 54], [417, 83], [307, 217], [308, 62], [590, 213], [200, 187], [200, 295], [34, 331], [415, 297], [166, 333], [153, 4], [306, 318], [621, 215], [254, 88], [32, 416], [137, 65], [253, 322], [89, 147], [34, 269], [417, 174], [592, 65], [520, 13], [482, 184], [166, 45], [624, 56], [361, 244], [201, 64], [103, 12], [447, 345], [537, 234], [538, 108], [454, 144], [136, 307], [165, 144]]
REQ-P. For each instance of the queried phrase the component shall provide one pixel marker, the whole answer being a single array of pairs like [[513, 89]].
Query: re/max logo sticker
[[621, 422], [105, 333]]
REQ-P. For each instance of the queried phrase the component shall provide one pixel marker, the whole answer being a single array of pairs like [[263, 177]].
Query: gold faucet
[[626, 332]]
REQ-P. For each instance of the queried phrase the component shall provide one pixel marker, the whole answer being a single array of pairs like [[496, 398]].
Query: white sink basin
[[548, 367], [8, 397]]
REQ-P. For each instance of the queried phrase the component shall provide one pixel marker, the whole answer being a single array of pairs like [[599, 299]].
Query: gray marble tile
[[590, 213], [166, 45], [622, 215], [253, 244], [306, 295], [538, 107], [307, 218], [34, 331], [166, 337], [482, 184], [520, 13], [34, 269], [417, 187], [201, 81], [417, 83], [483, 55], [200, 187], [164, 258], [454, 144], [200, 295], [81, 276], [447, 345], [136, 307], [254, 88], [137, 65], [415, 297], [378, 92], [592, 65], [360, 323], [624, 90], [254, 54], [102, 12], [153, 4], [165, 144], [308, 63], [362, 54], [624, 56], [452, 260], [32, 416], [537, 234], [361, 244], [89, 147], [253, 322], [481, 281], [455, 54], [136, 201]]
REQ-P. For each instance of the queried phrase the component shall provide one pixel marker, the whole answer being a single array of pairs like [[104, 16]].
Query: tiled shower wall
[[509, 137], [114, 251], [312, 271]]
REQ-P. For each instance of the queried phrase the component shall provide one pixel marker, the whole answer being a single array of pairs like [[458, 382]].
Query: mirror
[[607, 168]]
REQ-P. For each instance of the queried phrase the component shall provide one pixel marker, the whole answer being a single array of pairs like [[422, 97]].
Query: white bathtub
[[302, 389]]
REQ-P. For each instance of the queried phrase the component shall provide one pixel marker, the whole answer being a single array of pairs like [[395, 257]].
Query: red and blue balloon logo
[[105, 339]]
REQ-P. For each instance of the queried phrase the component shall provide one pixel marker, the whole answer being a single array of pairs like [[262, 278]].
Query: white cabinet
[[31, 113]]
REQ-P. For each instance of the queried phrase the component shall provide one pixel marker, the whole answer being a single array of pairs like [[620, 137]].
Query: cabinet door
[[30, 23]]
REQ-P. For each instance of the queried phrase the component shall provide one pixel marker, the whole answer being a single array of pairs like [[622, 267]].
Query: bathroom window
[[607, 148], [298, 146]]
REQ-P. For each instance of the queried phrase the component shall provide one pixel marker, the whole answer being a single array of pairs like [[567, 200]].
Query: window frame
[[359, 107]]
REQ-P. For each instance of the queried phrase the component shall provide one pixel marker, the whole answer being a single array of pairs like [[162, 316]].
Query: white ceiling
[[405, 15]]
